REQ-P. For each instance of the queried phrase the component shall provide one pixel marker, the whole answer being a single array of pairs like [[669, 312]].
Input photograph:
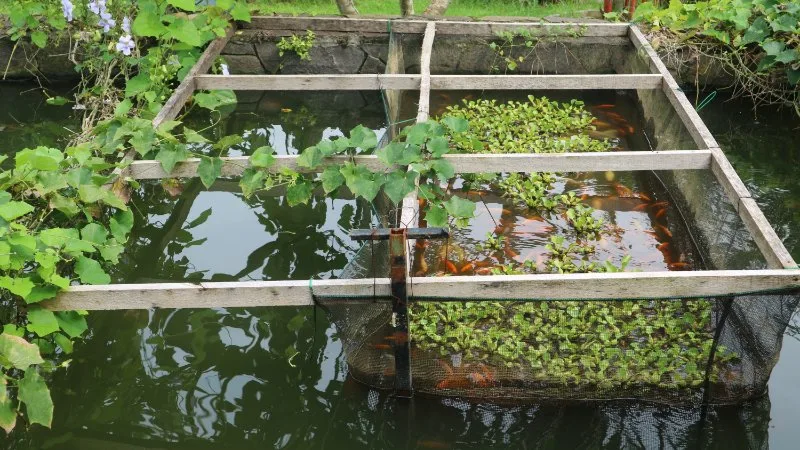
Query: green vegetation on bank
[[467, 8]]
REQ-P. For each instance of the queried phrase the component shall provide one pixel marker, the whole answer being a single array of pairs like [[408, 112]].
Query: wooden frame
[[782, 273]]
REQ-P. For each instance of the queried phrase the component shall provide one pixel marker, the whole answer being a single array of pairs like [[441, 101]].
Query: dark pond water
[[276, 378]]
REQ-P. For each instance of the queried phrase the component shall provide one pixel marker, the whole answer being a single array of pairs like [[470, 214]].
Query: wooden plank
[[691, 120], [525, 82], [349, 82], [404, 25], [632, 285], [425, 71], [234, 166], [210, 295], [466, 163], [764, 235], [582, 162], [728, 178]]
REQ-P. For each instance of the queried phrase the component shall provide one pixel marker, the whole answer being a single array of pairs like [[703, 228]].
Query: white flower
[[67, 7], [125, 45], [126, 25], [106, 21], [97, 6], [224, 69]]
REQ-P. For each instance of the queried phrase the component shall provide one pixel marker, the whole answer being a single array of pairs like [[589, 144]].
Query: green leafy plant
[[756, 41], [512, 48], [299, 45]]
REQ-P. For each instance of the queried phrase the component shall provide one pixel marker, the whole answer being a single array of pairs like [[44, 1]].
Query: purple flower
[[126, 25], [67, 7], [97, 6], [125, 45], [224, 69], [106, 21]]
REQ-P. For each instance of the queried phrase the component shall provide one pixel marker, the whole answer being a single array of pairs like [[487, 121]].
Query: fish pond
[[277, 377]]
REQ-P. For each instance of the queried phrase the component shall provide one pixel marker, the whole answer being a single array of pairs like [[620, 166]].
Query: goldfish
[[661, 213], [605, 106], [662, 246], [381, 346], [509, 252], [483, 271], [433, 444], [450, 267], [664, 230], [641, 207], [467, 267], [286, 110], [678, 266], [662, 204]]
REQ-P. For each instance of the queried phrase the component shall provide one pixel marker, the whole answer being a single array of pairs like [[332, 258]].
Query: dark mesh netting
[[676, 351]]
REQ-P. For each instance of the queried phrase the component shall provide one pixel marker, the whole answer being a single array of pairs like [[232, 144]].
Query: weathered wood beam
[[764, 235], [691, 120], [527, 82], [398, 25], [624, 285], [425, 71], [348, 82], [467, 163], [728, 178]]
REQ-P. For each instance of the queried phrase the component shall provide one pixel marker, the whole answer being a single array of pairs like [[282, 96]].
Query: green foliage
[[576, 344], [767, 30], [512, 48], [299, 45], [536, 126]]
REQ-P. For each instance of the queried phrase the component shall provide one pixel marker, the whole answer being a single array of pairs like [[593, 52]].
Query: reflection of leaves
[[199, 220]]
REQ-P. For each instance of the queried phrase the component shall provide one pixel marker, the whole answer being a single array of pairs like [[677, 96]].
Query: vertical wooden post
[[402, 350]]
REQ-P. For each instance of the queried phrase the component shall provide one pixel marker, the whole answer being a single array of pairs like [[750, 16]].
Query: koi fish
[[605, 106], [641, 207], [397, 336], [662, 204], [454, 383], [433, 444], [662, 246], [645, 197], [450, 267], [509, 252], [661, 213], [467, 267], [381, 346], [678, 266], [286, 110], [483, 271]]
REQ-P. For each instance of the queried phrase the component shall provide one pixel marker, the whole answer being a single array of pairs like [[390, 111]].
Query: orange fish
[[605, 106], [467, 267], [663, 204], [645, 197], [661, 213], [381, 346], [454, 383], [679, 266], [662, 246], [509, 252], [485, 263], [641, 207], [664, 230], [450, 267], [483, 271], [433, 444]]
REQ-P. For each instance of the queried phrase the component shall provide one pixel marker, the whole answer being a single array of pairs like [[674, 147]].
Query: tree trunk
[[407, 7], [347, 7], [437, 8]]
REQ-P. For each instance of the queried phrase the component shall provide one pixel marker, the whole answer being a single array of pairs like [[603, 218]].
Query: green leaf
[[327, 147], [41, 321], [72, 323], [787, 56], [299, 192], [148, 21], [19, 352], [137, 85], [228, 141], [456, 124], [784, 22], [459, 207], [240, 12], [90, 193], [186, 5], [123, 108], [214, 99], [332, 179], [39, 293], [793, 75], [193, 136], [111, 250], [263, 157], [201, 219], [40, 158], [12, 210], [363, 138], [8, 413], [143, 140], [170, 155], [34, 393], [95, 233], [58, 237], [252, 180], [773, 47], [758, 30], [436, 216], [121, 224], [399, 184], [90, 271], [417, 133], [57, 101], [361, 181], [17, 286], [310, 157], [64, 342], [209, 170], [444, 170], [399, 153], [185, 31], [438, 146], [65, 205], [39, 38]]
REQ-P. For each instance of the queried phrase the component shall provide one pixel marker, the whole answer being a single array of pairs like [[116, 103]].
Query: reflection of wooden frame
[[782, 272]]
